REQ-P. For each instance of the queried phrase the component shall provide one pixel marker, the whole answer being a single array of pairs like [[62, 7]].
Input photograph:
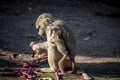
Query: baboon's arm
[[39, 45]]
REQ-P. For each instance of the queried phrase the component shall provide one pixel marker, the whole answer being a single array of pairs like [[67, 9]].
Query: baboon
[[56, 47], [60, 43], [46, 20]]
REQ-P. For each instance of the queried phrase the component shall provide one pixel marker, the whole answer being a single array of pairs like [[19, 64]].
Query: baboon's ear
[[37, 22], [54, 34], [57, 36]]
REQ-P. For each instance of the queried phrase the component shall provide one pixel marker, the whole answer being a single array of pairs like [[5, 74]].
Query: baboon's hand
[[35, 46], [32, 43]]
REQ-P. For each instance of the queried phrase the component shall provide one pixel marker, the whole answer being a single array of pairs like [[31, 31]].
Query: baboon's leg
[[53, 57], [64, 51]]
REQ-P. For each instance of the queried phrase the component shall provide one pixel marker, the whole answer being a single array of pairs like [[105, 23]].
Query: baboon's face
[[43, 21], [43, 25]]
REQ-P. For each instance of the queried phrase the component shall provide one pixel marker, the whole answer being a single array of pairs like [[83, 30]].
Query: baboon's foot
[[47, 70], [86, 76]]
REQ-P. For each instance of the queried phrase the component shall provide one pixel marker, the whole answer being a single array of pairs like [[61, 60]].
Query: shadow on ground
[[110, 69]]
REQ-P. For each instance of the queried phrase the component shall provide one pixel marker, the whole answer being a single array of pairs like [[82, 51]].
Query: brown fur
[[58, 34]]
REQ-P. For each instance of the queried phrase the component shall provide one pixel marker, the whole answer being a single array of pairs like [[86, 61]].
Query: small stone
[[87, 38]]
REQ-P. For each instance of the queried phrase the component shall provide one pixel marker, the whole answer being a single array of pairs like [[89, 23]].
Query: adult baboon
[[58, 53], [60, 43]]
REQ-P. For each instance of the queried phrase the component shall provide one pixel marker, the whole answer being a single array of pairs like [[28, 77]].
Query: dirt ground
[[96, 27]]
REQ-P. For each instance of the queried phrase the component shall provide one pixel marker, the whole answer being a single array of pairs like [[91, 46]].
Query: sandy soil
[[96, 27]]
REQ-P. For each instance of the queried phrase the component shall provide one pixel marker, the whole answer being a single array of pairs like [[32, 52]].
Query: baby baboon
[[57, 42]]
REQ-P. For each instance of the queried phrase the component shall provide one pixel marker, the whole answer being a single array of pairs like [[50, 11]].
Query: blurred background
[[95, 24]]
